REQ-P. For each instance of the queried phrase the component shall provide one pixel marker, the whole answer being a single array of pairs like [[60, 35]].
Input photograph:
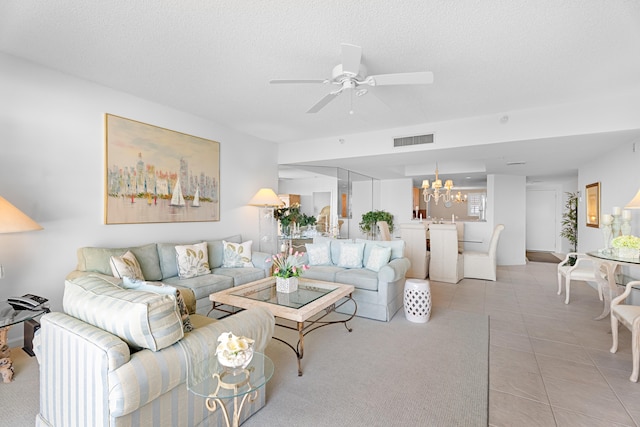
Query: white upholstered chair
[[446, 264], [583, 269], [414, 235], [629, 316], [482, 265], [383, 228]]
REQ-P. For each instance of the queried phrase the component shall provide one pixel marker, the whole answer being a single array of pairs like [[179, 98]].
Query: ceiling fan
[[351, 74]]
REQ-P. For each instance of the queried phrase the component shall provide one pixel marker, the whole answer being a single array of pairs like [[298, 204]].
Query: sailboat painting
[[175, 177]]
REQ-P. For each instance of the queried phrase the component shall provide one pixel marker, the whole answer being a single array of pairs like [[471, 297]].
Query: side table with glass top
[[9, 317], [217, 383]]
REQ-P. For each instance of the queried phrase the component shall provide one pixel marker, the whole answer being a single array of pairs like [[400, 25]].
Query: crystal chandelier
[[436, 188]]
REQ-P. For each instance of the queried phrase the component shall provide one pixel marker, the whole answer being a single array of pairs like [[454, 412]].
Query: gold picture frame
[[156, 175], [592, 198]]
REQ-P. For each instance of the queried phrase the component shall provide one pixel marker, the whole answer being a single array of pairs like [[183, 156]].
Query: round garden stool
[[417, 300]]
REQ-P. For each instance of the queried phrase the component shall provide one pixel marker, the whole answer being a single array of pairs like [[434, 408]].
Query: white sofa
[[119, 358], [378, 293]]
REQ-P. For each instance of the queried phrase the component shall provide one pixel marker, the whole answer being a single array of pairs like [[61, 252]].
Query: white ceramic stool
[[417, 300]]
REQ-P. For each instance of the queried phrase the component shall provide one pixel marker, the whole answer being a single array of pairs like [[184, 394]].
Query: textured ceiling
[[215, 58]]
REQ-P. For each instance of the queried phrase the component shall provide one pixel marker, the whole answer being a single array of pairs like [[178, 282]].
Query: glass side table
[[9, 317], [217, 383]]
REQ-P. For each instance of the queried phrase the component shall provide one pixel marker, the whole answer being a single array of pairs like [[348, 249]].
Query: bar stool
[[417, 300]]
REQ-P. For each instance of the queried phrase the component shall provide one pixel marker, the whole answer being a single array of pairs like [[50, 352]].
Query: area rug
[[534, 256], [394, 373]]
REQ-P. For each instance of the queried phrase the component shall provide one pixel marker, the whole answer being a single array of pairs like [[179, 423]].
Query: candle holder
[[625, 227], [615, 225], [606, 231]]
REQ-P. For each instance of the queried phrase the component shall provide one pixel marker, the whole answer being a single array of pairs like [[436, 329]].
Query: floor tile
[[552, 367], [575, 353], [566, 418], [509, 410]]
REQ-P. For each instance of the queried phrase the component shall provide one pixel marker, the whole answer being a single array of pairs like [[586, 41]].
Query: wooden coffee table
[[307, 306]]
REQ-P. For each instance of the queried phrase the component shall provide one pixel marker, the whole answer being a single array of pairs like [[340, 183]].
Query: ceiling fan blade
[[324, 101], [351, 56], [418, 78], [285, 81]]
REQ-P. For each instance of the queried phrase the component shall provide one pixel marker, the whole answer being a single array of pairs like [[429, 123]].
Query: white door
[[542, 220]]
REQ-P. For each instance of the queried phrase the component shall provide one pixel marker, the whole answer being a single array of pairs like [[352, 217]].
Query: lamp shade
[[265, 197], [634, 203], [12, 220]]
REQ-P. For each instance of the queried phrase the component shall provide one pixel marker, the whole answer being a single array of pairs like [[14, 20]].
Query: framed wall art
[[156, 175], [592, 197]]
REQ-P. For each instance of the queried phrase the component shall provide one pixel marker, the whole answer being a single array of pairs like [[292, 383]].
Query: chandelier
[[459, 197], [436, 188]]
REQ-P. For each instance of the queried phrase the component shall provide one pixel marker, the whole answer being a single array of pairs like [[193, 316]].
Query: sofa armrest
[[395, 270]]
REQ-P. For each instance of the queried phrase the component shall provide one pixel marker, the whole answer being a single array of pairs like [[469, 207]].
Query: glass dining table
[[607, 261]]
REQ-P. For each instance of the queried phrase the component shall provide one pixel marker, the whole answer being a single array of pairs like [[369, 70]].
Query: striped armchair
[[95, 376]]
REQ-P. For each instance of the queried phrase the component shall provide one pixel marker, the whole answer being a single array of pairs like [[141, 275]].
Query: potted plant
[[370, 219], [570, 223]]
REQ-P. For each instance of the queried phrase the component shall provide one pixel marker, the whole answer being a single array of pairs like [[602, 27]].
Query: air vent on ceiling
[[413, 140]]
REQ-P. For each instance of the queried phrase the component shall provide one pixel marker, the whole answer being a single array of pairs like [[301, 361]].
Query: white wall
[[52, 168], [506, 204], [396, 197]]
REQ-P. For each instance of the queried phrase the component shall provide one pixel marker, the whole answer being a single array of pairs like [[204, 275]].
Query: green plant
[[369, 220], [570, 222]]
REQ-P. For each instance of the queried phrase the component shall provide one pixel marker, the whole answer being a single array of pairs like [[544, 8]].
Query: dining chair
[[583, 269], [446, 264], [482, 265], [383, 228], [629, 316]]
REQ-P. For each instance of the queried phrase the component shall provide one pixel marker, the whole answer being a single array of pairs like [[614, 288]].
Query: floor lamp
[[266, 199]]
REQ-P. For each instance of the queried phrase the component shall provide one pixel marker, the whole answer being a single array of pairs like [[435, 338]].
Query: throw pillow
[[237, 255], [193, 260], [126, 266], [161, 288], [351, 255], [378, 258], [318, 253]]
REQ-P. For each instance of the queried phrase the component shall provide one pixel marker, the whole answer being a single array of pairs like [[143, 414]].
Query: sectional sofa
[[376, 269], [158, 262]]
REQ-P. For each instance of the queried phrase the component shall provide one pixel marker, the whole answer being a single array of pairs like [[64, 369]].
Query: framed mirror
[[592, 197]]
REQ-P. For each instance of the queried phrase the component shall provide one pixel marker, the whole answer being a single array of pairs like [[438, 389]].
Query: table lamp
[[266, 199], [635, 202], [12, 220]]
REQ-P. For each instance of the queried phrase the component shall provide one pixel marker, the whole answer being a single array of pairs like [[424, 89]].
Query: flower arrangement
[[632, 242], [234, 351], [288, 265]]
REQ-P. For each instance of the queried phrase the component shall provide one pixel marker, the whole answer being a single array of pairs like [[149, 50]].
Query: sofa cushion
[[141, 319], [241, 276], [193, 260], [126, 266], [397, 247], [319, 253], [161, 288], [96, 260], [351, 255], [361, 278], [202, 286], [326, 273], [237, 255], [378, 258]]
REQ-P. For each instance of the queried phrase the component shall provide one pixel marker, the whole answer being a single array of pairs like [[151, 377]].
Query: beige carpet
[[20, 398], [384, 374]]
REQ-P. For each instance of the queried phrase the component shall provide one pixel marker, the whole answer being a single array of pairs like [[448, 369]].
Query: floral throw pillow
[[237, 255], [193, 260], [126, 266], [351, 255], [318, 253], [378, 258]]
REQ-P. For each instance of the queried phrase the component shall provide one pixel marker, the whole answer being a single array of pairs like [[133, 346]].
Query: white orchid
[[234, 349]]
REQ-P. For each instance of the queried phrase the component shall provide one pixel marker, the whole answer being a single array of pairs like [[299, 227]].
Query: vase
[[233, 361], [631, 253], [286, 284]]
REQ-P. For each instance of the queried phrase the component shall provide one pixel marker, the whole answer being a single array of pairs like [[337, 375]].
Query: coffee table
[[307, 306]]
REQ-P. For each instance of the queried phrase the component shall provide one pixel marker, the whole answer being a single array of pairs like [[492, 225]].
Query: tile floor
[[549, 362]]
